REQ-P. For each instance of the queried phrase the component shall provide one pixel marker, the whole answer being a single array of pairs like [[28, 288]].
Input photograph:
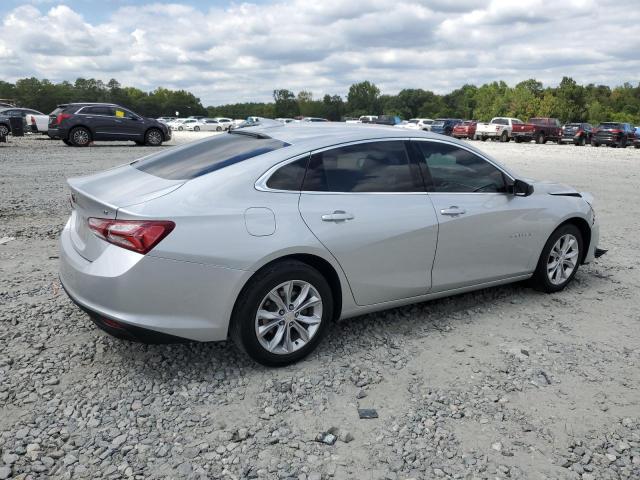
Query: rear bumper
[[181, 299], [524, 135], [57, 133]]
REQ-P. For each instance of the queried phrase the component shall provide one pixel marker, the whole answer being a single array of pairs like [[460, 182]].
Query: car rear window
[[610, 126], [200, 158]]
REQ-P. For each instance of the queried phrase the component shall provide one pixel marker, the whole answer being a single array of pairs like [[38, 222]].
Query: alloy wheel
[[288, 317], [81, 137], [154, 137], [563, 259], [4, 131]]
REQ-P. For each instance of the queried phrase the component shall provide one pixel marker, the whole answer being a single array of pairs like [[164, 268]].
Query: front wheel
[[559, 260], [4, 130], [153, 137], [196, 129], [540, 138], [504, 137], [218, 129], [282, 314]]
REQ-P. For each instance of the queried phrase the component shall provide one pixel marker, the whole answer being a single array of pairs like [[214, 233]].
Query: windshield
[[200, 158]]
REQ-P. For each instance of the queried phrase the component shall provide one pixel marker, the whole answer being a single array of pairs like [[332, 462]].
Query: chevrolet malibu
[[268, 234]]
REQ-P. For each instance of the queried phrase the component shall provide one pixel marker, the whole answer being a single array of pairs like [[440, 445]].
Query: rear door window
[[290, 176], [199, 158], [365, 167]]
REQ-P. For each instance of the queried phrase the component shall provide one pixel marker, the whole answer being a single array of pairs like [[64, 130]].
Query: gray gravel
[[501, 383]]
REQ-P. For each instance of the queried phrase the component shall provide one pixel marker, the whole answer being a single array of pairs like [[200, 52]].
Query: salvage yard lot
[[505, 382]]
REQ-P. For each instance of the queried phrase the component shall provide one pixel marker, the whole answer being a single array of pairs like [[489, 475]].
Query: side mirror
[[521, 188]]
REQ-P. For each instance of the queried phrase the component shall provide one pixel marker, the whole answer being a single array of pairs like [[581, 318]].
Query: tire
[[483, 138], [542, 277], [67, 142], [4, 130], [80, 137], [504, 137], [218, 129], [636, 146], [153, 137], [594, 144], [517, 139], [623, 143], [244, 321], [196, 129], [583, 141], [180, 128], [540, 138]]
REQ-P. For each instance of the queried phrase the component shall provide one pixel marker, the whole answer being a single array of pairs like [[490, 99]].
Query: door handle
[[453, 211], [337, 216]]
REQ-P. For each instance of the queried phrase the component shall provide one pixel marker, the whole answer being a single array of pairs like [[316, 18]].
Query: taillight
[[61, 117], [579, 132], [137, 235]]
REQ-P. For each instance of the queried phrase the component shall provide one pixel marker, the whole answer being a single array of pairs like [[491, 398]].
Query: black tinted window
[[98, 111], [199, 158], [366, 167], [454, 169], [290, 176]]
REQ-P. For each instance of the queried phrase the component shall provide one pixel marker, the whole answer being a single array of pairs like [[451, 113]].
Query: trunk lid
[[102, 194]]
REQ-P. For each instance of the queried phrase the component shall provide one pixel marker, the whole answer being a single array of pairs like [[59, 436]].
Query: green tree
[[363, 99], [286, 105]]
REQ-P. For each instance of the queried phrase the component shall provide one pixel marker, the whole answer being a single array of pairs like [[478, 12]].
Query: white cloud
[[244, 51]]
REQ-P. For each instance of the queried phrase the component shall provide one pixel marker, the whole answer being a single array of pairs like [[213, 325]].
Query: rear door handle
[[453, 211], [337, 216]]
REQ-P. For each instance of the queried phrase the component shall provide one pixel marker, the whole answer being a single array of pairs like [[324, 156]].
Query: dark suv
[[577, 133], [615, 134], [445, 126], [79, 124]]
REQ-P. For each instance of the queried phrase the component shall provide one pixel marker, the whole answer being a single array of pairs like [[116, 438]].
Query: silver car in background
[[268, 234]]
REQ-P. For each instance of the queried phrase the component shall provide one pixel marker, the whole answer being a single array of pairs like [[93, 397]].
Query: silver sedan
[[269, 234]]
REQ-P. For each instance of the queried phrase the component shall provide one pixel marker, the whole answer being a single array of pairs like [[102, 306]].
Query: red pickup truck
[[538, 129]]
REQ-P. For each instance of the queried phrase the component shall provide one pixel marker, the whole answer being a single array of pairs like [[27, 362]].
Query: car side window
[[290, 176], [455, 170], [366, 167], [106, 111]]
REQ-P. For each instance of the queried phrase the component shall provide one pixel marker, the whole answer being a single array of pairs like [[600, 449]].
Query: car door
[[485, 233], [366, 203], [101, 121], [129, 125]]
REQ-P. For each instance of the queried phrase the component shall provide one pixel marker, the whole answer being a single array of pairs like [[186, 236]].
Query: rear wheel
[[4, 130], [517, 139], [80, 137], [559, 260], [196, 129], [594, 144], [218, 129], [282, 314], [153, 137], [540, 138], [504, 137]]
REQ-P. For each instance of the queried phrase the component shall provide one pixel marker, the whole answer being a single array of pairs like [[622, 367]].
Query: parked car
[[387, 120], [540, 129], [79, 124], [32, 118], [636, 138], [166, 120], [368, 118], [224, 122], [577, 133], [185, 123], [499, 128], [419, 124], [176, 124], [298, 253], [444, 126], [466, 129], [205, 124], [283, 120], [614, 134], [314, 119]]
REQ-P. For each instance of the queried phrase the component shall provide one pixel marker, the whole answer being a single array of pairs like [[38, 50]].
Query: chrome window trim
[[261, 183]]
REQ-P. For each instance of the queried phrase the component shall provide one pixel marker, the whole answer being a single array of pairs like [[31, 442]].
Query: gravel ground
[[501, 383]]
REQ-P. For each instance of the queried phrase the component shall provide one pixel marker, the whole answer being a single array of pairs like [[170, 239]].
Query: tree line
[[569, 101]]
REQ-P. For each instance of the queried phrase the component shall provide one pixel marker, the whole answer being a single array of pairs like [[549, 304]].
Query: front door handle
[[453, 211], [337, 216]]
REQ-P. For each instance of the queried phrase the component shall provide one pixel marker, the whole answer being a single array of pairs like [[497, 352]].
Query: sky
[[234, 51]]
